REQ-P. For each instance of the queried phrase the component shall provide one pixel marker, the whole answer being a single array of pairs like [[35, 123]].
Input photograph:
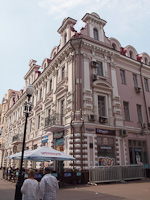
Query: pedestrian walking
[[48, 186], [30, 187]]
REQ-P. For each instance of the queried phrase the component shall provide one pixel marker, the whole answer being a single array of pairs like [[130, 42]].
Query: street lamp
[[27, 109]]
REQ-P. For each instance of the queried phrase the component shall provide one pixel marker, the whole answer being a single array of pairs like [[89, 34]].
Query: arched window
[[95, 33], [114, 46], [65, 38], [145, 59], [131, 54]]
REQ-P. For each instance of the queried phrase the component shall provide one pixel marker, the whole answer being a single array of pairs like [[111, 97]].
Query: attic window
[[114, 46], [145, 61], [65, 38], [131, 54], [95, 33]]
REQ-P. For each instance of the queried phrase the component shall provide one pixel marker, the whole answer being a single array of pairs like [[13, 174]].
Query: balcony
[[54, 123], [16, 139]]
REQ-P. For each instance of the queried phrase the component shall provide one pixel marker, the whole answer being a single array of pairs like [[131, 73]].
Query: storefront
[[105, 147], [138, 152]]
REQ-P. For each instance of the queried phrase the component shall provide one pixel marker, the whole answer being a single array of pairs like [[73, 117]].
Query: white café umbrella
[[16, 156], [43, 154]]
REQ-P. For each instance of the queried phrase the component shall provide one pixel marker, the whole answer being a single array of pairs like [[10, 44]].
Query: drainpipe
[[81, 128], [72, 128], [144, 92]]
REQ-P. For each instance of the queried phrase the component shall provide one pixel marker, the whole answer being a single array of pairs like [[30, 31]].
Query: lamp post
[[27, 109]]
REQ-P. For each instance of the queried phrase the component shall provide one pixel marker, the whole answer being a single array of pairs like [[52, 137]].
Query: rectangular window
[[48, 112], [38, 122], [100, 68], [50, 85], [30, 125], [146, 84], [40, 94], [122, 74], [135, 80], [101, 106], [139, 113], [63, 73], [62, 107], [126, 111]]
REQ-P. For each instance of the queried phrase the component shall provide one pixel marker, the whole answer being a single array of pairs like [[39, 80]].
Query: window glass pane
[[135, 80], [101, 105], [122, 74], [139, 112], [95, 33], [146, 84], [100, 69], [126, 111]]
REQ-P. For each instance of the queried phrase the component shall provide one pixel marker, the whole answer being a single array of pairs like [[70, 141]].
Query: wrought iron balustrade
[[56, 119]]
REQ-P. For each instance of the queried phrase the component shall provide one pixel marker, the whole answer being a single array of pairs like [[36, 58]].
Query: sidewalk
[[133, 190]]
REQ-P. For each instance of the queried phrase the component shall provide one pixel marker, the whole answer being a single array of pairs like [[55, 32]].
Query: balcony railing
[[56, 119]]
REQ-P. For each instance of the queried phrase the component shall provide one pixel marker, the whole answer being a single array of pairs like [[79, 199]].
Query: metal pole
[[18, 194]]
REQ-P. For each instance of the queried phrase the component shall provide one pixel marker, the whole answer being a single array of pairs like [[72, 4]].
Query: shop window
[[146, 84], [139, 113], [126, 111], [138, 152], [123, 78], [100, 69], [95, 33], [135, 80]]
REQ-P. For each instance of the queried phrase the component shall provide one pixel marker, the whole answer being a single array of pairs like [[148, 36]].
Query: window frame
[[101, 108], [135, 80], [146, 84], [123, 76], [139, 113], [99, 69], [126, 110], [95, 34]]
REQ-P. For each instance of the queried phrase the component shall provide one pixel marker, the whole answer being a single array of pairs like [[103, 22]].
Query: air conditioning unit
[[103, 119], [123, 133], [94, 64], [91, 117], [94, 77], [143, 125], [137, 89]]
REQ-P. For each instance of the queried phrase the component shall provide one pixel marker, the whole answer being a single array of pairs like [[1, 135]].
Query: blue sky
[[28, 30]]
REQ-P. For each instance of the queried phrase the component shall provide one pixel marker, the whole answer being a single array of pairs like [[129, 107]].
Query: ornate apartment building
[[91, 100]]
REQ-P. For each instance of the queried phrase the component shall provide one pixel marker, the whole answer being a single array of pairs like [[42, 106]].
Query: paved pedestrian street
[[133, 190]]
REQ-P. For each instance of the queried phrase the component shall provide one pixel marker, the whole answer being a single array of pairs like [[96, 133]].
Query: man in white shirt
[[48, 186]]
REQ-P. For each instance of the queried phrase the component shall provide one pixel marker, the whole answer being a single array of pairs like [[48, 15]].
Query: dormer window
[[145, 61], [131, 54], [95, 33], [65, 38], [114, 46]]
